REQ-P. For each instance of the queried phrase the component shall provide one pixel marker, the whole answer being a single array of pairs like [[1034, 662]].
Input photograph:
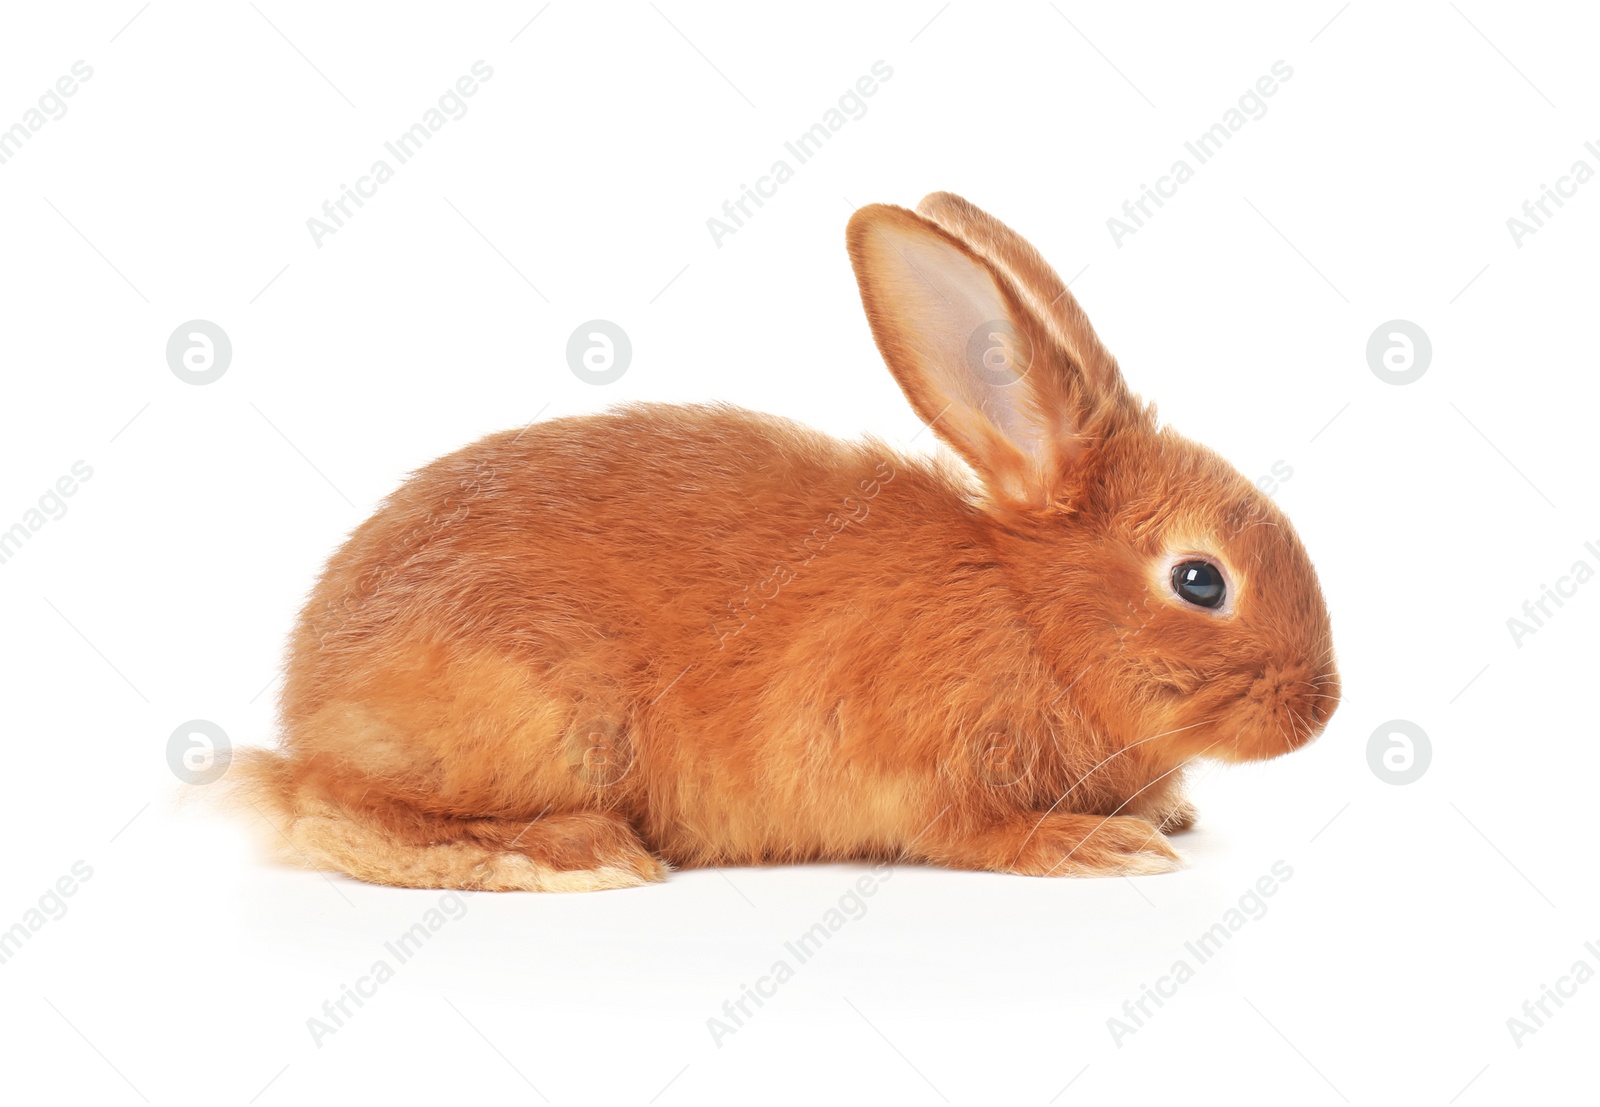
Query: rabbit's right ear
[[977, 362]]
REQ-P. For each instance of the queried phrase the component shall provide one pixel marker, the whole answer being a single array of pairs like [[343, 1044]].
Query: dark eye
[[1199, 582]]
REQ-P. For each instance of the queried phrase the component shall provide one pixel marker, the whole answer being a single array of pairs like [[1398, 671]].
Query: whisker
[[1294, 721], [1127, 801], [1091, 771]]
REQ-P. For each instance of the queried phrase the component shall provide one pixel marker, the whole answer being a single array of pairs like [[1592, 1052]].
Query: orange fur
[[570, 656]]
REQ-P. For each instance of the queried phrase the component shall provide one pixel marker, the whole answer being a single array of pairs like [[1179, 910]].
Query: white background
[[177, 186]]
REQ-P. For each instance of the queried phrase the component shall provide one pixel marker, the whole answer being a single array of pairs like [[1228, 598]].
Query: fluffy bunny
[[572, 656]]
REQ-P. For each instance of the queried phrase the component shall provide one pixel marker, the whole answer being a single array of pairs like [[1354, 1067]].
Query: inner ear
[[978, 349], [970, 357]]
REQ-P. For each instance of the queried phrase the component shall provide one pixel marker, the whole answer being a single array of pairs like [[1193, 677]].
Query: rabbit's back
[[637, 527]]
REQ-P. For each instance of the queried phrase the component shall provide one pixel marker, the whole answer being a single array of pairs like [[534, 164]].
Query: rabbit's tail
[[390, 843]]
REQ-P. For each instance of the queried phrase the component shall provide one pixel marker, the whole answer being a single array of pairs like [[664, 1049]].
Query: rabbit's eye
[[1198, 582]]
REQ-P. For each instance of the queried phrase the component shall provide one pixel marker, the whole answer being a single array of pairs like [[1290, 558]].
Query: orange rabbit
[[571, 656]]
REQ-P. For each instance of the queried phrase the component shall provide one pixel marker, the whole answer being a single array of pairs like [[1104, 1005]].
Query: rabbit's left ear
[[978, 363]]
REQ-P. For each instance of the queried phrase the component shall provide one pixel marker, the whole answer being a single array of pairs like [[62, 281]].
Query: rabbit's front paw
[[1094, 845], [1054, 844], [1177, 818]]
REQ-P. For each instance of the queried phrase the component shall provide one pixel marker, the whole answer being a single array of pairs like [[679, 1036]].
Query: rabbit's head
[[1171, 596]]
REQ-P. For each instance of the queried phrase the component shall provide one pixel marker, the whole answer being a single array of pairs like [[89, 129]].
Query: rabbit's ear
[[1041, 288], [977, 361]]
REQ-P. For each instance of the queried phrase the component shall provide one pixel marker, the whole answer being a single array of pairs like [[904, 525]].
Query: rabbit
[[580, 654]]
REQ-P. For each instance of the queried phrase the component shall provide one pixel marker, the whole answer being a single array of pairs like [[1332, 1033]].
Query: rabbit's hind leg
[[394, 843], [580, 852]]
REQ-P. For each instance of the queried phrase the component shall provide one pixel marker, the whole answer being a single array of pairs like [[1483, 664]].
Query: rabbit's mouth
[[1287, 708], [1249, 712], [1249, 716]]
